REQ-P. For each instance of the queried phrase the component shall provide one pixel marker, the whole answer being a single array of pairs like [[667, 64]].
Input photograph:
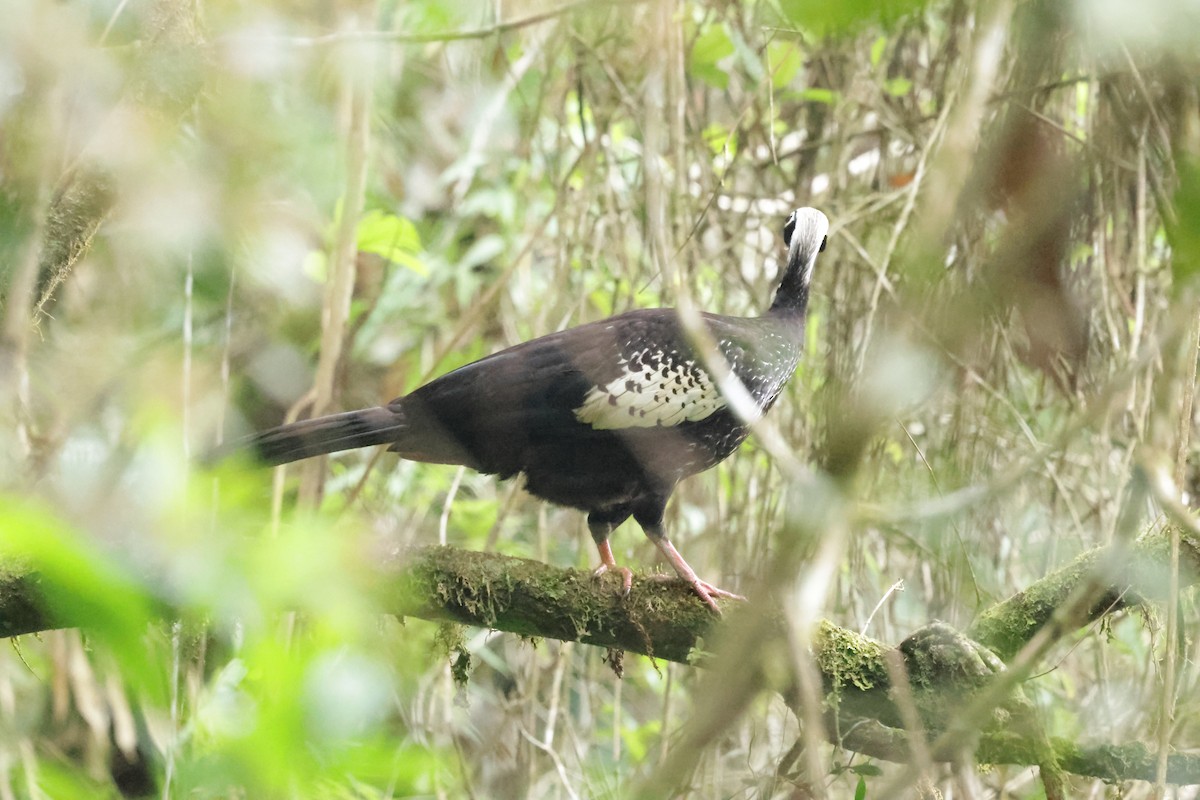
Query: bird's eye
[[789, 228], [824, 241]]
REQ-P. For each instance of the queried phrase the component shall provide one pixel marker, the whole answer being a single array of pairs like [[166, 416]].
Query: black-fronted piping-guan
[[605, 417]]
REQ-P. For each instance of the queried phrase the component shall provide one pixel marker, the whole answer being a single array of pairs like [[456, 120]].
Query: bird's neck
[[792, 298]]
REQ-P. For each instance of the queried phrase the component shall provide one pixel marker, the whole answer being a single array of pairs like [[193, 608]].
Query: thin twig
[[396, 37]]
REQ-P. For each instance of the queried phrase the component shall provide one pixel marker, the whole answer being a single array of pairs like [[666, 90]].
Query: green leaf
[[391, 237], [826, 96], [81, 584], [712, 45], [637, 739], [846, 16], [720, 139], [870, 770], [860, 791], [784, 59], [1185, 235], [898, 87], [877, 48]]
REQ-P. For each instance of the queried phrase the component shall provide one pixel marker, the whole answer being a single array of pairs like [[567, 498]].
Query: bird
[[606, 417]]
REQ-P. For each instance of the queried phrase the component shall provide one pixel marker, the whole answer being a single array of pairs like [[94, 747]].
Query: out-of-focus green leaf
[[785, 60], [721, 140], [388, 236], [860, 791], [392, 237], [877, 49], [712, 45], [898, 87], [427, 16], [602, 298], [639, 738], [1184, 236], [57, 780], [847, 16], [82, 584], [820, 96]]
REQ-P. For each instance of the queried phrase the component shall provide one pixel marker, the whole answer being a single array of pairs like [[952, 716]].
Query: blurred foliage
[[1011, 273]]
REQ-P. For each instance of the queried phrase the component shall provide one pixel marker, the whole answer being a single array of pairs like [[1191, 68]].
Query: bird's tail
[[316, 437]]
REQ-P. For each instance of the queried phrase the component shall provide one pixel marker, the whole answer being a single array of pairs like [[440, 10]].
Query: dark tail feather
[[316, 437]]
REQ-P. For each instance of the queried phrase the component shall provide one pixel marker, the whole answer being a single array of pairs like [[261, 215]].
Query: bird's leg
[[602, 524], [703, 588], [651, 521], [607, 562]]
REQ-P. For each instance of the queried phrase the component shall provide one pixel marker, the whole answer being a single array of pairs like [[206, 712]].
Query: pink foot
[[608, 563], [703, 589], [625, 572], [706, 591]]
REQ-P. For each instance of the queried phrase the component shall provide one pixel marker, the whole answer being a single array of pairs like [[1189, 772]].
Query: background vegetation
[[214, 215]]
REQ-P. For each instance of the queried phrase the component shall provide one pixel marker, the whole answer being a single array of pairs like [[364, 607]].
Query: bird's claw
[[625, 572], [714, 591], [703, 589]]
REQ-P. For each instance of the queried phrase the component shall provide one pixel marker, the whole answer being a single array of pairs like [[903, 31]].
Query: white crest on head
[[809, 229], [655, 389]]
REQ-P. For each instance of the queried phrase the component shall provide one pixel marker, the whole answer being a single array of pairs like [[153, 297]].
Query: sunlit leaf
[[877, 49], [816, 95], [712, 45], [785, 60], [898, 87], [392, 237], [846, 17]]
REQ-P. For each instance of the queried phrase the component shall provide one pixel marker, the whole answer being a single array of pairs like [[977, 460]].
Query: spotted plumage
[[606, 417], [656, 388]]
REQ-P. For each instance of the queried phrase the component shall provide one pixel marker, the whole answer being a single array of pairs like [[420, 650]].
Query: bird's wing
[[653, 378]]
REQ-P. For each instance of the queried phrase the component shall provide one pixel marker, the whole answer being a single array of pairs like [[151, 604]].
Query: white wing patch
[[655, 389]]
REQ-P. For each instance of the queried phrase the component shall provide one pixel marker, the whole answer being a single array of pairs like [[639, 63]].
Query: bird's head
[[805, 234]]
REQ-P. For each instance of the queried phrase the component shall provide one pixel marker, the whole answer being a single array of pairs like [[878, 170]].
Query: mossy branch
[[662, 619], [1114, 763], [1114, 577], [166, 82]]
